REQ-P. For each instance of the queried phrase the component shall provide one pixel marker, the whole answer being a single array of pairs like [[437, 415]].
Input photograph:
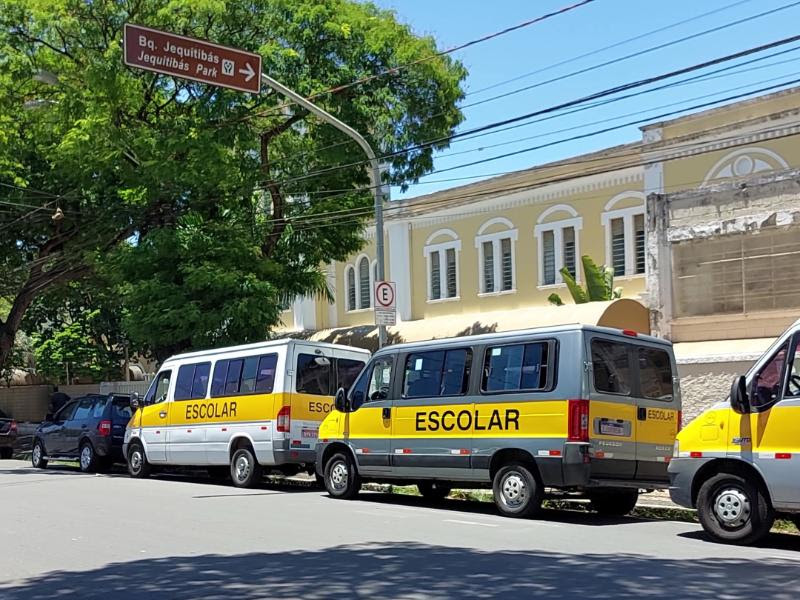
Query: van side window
[[373, 384], [793, 385], [516, 367], [265, 380], [346, 372], [158, 389], [314, 374], [611, 367], [192, 381], [251, 375], [655, 374], [767, 385], [437, 373]]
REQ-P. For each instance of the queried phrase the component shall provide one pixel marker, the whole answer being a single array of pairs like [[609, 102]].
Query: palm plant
[[599, 284]]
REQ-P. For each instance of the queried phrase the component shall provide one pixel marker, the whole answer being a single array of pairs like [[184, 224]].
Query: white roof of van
[[264, 345]]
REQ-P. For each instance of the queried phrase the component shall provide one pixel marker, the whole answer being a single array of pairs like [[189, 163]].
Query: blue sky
[[587, 30]]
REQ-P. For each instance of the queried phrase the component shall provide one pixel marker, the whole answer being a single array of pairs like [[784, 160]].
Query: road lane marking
[[460, 522]]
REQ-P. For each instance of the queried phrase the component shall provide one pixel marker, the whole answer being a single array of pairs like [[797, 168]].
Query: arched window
[[559, 244], [496, 256], [351, 288], [441, 251], [364, 294], [625, 233]]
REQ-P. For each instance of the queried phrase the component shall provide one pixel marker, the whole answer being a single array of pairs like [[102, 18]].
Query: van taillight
[[284, 419], [578, 420], [104, 428], [13, 427], [680, 420]]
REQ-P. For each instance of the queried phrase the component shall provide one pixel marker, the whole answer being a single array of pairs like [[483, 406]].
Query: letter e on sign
[[385, 303]]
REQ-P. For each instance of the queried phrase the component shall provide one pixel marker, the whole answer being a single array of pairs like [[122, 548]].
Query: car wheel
[[138, 466], [434, 490], [613, 503], [341, 477], [38, 459], [6, 453], [87, 458], [734, 509], [245, 470], [516, 491]]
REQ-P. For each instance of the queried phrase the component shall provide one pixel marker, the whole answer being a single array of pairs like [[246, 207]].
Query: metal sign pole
[[374, 172]]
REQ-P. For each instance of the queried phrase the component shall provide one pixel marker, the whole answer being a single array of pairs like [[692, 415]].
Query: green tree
[[78, 324], [116, 168], [599, 284]]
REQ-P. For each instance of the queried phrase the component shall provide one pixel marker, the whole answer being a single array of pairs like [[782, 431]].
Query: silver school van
[[238, 409], [583, 409]]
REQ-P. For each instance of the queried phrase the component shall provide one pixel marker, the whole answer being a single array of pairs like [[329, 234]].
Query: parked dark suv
[[88, 429], [8, 435]]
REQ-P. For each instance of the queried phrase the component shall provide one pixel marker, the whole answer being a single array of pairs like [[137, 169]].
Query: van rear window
[[518, 367], [611, 367], [314, 374], [655, 374]]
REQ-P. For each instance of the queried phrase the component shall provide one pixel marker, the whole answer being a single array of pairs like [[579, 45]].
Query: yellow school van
[[738, 463], [589, 411], [236, 410]]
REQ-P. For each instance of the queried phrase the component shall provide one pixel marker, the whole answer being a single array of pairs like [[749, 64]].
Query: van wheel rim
[[242, 467], [136, 461], [37, 454], [86, 457], [339, 476], [732, 507], [514, 490]]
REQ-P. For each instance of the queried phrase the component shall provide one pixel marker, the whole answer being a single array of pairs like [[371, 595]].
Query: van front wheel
[[516, 491], [613, 503], [733, 509], [341, 477]]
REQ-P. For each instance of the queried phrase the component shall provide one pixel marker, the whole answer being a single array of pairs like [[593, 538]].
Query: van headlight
[[676, 449]]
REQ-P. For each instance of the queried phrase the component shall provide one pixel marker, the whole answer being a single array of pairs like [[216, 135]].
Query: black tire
[[6, 453], [341, 477], [517, 493], [734, 509], [87, 458], [219, 473], [38, 454], [138, 465], [245, 470], [434, 490], [613, 503]]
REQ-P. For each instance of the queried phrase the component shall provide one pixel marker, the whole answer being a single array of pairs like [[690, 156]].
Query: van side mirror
[[340, 402], [135, 401], [740, 402]]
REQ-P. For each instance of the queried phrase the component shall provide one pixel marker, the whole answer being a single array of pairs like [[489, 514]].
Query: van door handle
[[387, 412], [642, 413], [163, 414]]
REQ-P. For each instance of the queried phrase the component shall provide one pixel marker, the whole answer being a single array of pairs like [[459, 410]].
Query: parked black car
[[89, 429], [8, 435]]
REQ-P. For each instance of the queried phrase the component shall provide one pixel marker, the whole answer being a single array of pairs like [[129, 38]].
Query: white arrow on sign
[[248, 71]]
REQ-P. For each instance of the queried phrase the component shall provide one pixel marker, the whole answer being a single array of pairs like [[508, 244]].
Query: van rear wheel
[[613, 503], [245, 470], [341, 477], [734, 509], [516, 491]]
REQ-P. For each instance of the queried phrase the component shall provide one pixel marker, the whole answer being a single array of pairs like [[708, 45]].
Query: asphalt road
[[65, 534]]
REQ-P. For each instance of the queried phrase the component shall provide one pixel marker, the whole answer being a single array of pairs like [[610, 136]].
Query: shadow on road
[[405, 570]]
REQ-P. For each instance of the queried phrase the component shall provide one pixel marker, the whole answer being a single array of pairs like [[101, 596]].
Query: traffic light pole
[[374, 173]]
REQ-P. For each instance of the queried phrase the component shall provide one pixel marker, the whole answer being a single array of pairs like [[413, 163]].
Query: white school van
[[239, 409]]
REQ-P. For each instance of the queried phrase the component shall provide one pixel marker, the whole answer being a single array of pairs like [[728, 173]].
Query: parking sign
[[385, 303]]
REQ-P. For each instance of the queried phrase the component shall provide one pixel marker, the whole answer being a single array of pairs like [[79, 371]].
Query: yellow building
[[470, 254]]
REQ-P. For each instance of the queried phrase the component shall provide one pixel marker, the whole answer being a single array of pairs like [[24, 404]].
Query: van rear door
[[612, 408], [657, 412]]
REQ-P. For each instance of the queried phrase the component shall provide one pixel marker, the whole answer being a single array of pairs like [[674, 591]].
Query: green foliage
[[140, 163], [599, 284], [69, 348]]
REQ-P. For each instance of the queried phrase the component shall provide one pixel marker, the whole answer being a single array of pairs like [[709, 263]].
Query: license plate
[[607, 428], [309, 433]]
